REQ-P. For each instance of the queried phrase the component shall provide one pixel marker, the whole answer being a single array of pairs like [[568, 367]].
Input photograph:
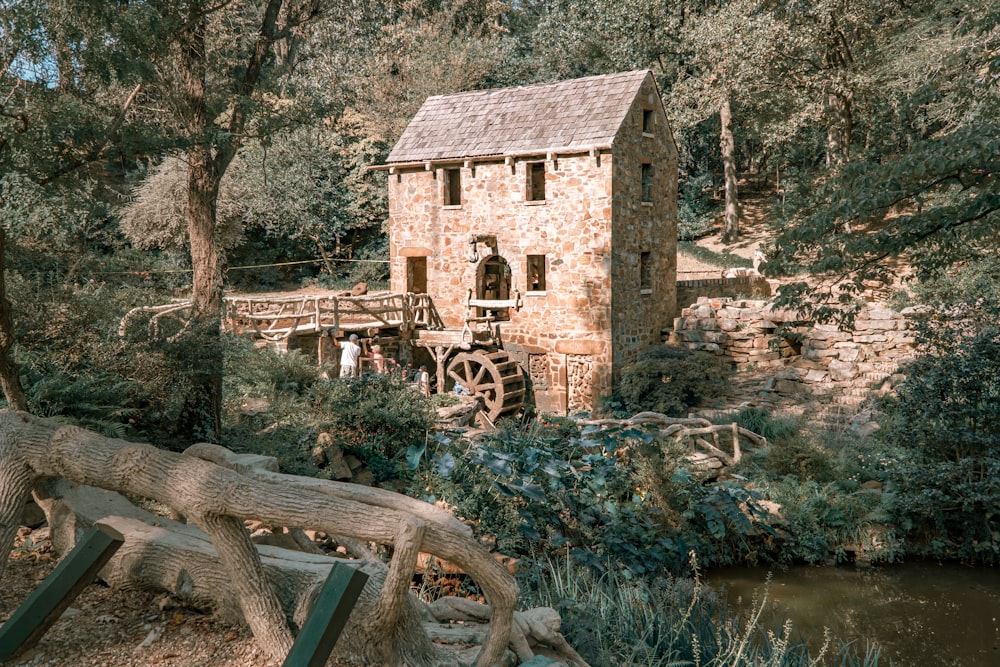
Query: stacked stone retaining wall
[[745, 286], [822, 360]]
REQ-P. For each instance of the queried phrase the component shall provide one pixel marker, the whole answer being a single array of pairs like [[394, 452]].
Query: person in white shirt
[[350, 352]]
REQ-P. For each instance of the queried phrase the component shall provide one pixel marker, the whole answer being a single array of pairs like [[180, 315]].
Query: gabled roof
[[578, 113]]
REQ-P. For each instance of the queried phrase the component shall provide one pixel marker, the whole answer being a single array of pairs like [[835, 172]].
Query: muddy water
[[921, 615]]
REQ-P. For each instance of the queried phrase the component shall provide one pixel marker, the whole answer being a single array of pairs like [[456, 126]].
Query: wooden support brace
[[47, 603], [322, 628]]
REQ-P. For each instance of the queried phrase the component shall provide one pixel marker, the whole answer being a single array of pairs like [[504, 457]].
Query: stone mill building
[[549, 214]]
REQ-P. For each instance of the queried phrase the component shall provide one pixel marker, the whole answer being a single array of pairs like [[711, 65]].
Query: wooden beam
[[322, 628], [47, 603]]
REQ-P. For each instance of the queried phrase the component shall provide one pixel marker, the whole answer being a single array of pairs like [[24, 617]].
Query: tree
[[217, 491], [926, 189], [65, 96], [224, 60]]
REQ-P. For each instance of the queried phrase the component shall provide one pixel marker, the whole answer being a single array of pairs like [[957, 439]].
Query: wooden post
[[47, 603], [321, 630]]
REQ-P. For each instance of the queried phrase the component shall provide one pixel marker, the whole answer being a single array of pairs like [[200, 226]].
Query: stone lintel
[[581, 346], [415, 251]]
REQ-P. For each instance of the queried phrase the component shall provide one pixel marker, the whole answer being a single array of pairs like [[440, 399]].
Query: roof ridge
[[541, 84]]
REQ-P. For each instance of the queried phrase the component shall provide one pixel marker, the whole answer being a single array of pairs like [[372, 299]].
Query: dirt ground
[[119, 628]]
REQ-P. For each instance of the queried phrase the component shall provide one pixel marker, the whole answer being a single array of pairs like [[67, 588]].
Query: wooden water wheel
[[491, 375]]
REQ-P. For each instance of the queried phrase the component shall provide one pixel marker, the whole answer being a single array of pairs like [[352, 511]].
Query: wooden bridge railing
[[277, 318]]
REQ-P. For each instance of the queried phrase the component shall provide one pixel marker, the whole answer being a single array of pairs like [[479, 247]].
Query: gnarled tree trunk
[[34, 452]]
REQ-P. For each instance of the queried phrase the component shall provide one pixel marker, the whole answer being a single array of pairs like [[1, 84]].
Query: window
[[647, 121], [647, 182], [645, 272], [452, 187], [536, 181], [536, 273]]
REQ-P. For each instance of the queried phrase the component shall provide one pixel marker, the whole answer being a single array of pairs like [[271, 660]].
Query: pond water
[[921, 615]]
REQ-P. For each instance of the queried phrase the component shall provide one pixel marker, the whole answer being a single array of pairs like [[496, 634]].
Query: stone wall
[[643, 305], [740, 287], [806, 357]]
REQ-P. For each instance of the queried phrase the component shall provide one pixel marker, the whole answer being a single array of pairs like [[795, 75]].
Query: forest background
[[150, 150]]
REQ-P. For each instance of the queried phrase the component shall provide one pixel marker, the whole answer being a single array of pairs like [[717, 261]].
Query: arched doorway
[[493, 284]]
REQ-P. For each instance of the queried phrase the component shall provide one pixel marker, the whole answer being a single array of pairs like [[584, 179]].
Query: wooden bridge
[[471, 356], [277, 318]]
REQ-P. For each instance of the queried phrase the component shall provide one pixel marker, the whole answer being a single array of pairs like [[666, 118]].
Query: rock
[[461, 414], [841, 371], [338, 465], [364, 477], [319, 455]]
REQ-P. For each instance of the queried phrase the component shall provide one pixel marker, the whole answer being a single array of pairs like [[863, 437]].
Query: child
[[423, 380]]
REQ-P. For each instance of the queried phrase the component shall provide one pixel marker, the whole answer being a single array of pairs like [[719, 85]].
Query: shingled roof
[[573, 114]]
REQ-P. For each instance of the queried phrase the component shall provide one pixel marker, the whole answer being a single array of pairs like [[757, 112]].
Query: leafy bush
[[670, 380], [265, 372], [74, 365], [604, 497], [945, 422]]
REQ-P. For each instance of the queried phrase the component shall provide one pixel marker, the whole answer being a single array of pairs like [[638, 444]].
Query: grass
[[725, 260], [616, 621]]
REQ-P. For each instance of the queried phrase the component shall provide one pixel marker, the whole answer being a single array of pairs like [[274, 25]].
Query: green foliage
[[279, 405], [670, 380], [946, 418], [725, 260], [823, 518], [75, 366], [926, 186], [94, 401], [607, 498], [695, 211], [266, 372]]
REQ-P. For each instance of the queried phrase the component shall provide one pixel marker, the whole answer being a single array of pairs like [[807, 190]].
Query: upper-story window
[[647, 182], [536, 273], [647, 121], [536, 181], [452, 187]]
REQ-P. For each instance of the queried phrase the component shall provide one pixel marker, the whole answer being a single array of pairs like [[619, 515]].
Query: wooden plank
[[333, 607], [47, 603]]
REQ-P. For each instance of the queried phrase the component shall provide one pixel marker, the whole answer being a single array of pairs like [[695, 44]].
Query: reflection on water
[[921, 615]]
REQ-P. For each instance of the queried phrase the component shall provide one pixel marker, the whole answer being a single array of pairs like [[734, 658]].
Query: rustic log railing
[[277, 318]]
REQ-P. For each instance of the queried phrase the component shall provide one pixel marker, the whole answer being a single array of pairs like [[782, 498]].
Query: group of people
[[354, 349]]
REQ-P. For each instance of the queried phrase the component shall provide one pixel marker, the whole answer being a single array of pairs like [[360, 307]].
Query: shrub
[[607, 498], [377, 417], [670, 380], [945, 419]]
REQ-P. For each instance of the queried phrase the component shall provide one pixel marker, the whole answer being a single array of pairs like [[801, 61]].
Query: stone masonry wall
[[571, 228], [807, 358], [746, 287], [640, 312]]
